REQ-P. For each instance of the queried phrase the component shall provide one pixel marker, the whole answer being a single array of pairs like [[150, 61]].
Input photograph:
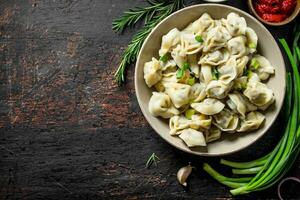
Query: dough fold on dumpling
[[209, 106], [226, 121], [265, 69], [251, 39], [212, 134], [237, 46], [160, 105], [152, 72], [215, 58], [200, 121], [228, 71], [171, 39], [201, 25], [205, 74], [235, 24], [252, 121], [217, 38], [192, 138], [239, 104], [197, 92], [179, 93], [259, 94], [217, 89], [178, 123]]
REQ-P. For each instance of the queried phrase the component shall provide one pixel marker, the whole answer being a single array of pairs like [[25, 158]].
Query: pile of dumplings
[[210, 80]]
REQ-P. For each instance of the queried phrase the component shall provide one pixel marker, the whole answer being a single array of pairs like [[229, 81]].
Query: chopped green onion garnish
[[215, 74], [191, 81], [248, 73], [252, 45], [180, 73], [243, 86], [198, 38], [254, 64], [164, 58], [189, 113], [186, 66]]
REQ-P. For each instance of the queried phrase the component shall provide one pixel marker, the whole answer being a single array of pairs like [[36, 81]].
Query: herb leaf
[[152, 159], [215, 73], [198, 38]]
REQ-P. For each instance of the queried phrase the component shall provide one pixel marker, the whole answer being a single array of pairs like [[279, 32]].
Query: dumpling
[[215, 57], [152, 72], [205, 74], [264, 68], [166, 78], [236, 103], [160, 105], [217, 89], [200, 121], [228, 71], [259, 94], [192, 138], [179, 93], [212, 134], [237, 46], [235, 24], [171, 39], [252, 121], [204, 23], [197, 92], [251, 39], [177, 123], [192, 60], [178, 57], [226, 121], [239, 104], [209, 106], [189, 45], [241, 64], [217, 38]]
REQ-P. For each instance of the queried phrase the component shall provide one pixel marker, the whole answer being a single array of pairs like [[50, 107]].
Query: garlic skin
[[183, 173]]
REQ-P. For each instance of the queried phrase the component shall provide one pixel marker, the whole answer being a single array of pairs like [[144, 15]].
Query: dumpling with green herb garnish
[[262, 67]]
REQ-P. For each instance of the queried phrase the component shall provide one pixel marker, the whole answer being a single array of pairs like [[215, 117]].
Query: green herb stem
[[253, 170]]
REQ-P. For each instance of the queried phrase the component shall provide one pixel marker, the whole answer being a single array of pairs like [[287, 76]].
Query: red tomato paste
[[274, 10]]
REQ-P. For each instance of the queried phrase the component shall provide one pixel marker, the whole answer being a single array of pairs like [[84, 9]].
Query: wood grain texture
[[67, 131]]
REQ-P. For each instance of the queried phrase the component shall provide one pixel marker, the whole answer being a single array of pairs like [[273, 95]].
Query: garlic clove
[[183, 174]]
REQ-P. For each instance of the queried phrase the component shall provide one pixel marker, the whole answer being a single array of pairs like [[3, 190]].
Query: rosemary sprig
[[158, 13], [152, 159], [131, 17]]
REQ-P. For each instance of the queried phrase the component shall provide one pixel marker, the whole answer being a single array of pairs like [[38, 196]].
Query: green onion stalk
[[266, 171]]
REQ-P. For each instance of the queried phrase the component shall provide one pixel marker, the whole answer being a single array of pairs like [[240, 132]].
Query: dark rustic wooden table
[[67, 131]]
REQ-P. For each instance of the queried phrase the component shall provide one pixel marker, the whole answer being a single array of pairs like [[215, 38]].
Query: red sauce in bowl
[[274, 10]]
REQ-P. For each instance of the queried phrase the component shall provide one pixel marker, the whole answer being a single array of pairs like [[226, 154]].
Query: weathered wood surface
[[67, 131]]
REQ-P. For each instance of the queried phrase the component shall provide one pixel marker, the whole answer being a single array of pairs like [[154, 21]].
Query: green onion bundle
[[264, 172]]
